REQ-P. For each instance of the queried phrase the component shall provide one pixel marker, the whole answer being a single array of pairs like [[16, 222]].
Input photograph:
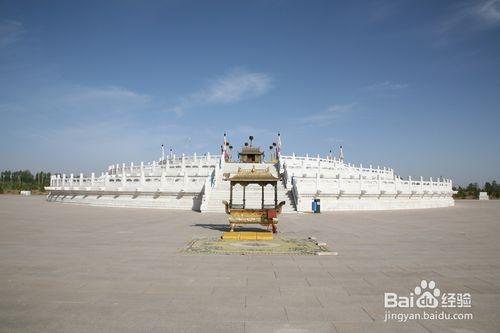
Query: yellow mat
[[276, 246], [247, 235]]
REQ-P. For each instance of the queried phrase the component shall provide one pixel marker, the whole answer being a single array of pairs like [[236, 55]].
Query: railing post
[[143, 178], [360, 184], [124, 175]]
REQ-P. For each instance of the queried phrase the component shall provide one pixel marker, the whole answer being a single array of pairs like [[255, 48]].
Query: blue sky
[[414, 85]]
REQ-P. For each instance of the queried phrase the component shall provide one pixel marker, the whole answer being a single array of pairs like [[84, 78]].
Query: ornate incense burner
[[267, 215]]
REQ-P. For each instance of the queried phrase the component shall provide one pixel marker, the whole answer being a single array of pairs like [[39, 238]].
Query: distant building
[[483, 196]]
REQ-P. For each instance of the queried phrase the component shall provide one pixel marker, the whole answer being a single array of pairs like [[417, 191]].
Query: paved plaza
[[70, 268]]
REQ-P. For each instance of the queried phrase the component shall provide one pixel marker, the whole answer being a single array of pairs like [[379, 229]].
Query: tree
[[473, 190]]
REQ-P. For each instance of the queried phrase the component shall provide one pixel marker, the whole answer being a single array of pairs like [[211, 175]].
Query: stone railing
[[173, 162], [329, 166], [295, 191], [207, 190], [379, 187]]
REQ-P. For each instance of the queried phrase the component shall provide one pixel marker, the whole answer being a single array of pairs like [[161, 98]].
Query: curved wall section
[[200, 184]]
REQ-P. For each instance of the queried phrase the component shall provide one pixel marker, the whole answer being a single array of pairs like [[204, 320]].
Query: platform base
[[247, 235]]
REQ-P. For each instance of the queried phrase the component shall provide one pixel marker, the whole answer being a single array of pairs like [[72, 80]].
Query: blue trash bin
[[314, 206]]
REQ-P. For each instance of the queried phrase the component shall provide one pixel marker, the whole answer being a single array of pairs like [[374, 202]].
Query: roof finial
[[341, 156]]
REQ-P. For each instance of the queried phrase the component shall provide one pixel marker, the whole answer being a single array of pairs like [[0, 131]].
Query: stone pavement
[[68, 268]]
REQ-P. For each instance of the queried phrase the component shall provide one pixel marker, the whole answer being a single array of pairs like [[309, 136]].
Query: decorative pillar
[[143, 177], [124, 176], [379, 185], [81, 179], [92, 179], [360, 183], [262, 196], [244, 200], [231, 195], [71, 180]]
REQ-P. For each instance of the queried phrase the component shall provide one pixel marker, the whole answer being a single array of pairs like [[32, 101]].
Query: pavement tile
[[70, 268]]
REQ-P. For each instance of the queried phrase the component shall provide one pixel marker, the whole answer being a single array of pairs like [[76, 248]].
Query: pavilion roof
[[253, 175]]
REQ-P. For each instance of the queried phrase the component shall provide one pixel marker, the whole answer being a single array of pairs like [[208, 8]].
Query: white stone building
[[199, 183]]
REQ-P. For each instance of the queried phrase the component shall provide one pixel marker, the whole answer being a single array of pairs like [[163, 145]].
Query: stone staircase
[[220, 191]]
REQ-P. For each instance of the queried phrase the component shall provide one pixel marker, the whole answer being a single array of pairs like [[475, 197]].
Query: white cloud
[[328, 116], [111, 99], [387, 85], [470, 16], [65, 104], [10, 32], [234, 86]]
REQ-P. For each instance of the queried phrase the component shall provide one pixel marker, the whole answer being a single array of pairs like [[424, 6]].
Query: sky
[[412, 85]]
